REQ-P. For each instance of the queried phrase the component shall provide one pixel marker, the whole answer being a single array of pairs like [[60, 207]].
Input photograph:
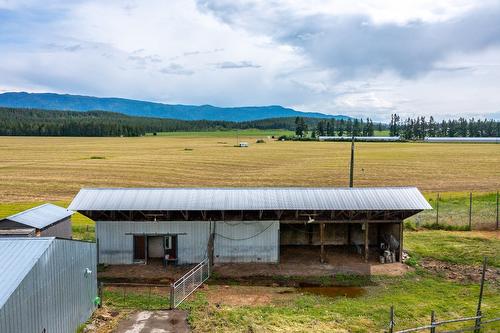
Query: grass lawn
[[467, 248], [413, 296], [55, 168]]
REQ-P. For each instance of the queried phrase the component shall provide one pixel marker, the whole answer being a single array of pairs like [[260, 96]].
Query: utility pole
[[351, 174]]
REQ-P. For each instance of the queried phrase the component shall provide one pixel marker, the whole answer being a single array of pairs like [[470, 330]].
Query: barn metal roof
[[170, 199], [41, 216], [17, 258]]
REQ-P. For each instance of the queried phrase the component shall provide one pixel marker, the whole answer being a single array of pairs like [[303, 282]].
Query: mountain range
[[51, 101]]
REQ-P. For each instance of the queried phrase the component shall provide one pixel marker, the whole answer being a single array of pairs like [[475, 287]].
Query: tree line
[[36, 122], [337, 127], [420, 127]]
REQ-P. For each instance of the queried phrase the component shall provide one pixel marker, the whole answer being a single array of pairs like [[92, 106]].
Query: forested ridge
[[35, 122]]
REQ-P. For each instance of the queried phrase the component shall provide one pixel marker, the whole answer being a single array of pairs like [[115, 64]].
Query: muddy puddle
[[349, 292]]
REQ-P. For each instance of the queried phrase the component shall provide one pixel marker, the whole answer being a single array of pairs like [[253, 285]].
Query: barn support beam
[[400, 259], [321, 240], [367, 248]]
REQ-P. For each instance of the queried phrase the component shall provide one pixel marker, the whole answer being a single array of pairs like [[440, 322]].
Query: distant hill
[[149, 109]]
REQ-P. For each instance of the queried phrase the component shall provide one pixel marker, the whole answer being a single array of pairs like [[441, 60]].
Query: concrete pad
[[168, 321]]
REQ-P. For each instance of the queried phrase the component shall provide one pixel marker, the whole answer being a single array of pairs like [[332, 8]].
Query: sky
[[366, 58]]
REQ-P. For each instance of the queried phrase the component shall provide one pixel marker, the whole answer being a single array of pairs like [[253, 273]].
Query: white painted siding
[[234, 241], [246, 241], [115, 239]]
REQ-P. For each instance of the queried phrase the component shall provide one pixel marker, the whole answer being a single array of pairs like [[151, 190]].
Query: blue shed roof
[[41, 216], [17, 258]]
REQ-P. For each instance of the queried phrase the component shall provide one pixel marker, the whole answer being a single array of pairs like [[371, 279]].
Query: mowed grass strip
[[458, 247], [42, 168]]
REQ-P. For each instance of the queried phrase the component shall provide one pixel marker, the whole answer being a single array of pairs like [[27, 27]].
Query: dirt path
[[174, 321]]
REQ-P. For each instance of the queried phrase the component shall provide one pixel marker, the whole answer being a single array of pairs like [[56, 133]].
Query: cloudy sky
[[360, 58]]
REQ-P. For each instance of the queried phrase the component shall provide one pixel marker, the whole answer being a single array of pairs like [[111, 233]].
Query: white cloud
[[326, 56]]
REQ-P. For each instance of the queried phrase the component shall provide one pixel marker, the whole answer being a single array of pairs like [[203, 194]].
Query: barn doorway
[[156, 251], [139, 248]]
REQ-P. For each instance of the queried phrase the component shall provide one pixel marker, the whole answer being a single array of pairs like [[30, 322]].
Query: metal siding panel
[[248, 241], [116, 247], [54, 295], [61, 229]]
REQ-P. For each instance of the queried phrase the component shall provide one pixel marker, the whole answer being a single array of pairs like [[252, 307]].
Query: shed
[[48, 220], [46, 284], [137, 225]]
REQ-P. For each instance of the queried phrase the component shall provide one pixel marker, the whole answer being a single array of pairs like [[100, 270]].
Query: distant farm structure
[[361, 138], [463, 139], [47, 220]]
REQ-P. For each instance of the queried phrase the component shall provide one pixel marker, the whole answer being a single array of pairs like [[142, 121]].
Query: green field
[[44, 169], [54, 169]]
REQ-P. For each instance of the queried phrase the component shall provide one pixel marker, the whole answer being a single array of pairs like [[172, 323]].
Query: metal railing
[[188, 283]]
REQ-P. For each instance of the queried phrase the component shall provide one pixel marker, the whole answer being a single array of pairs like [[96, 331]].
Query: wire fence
[[473, 211], [477, 323], [135, 295]]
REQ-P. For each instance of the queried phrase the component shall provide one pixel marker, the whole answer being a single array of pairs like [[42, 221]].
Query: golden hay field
[[40, 168]]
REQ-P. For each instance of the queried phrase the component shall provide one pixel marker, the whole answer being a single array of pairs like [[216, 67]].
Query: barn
[[186, 225], [46, 284], [47, 220]]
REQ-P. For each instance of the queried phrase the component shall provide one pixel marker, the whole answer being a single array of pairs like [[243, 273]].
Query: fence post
[[99, 293], [470, 211], [433, 319], [478, 312], [391, 322], [437, 209], [172, 293], [497, 211]]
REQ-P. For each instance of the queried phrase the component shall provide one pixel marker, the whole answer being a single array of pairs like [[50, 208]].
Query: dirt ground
[[297, 261], [219, 295], [104, 320], [463, 273], [140, 273], [304, 261]]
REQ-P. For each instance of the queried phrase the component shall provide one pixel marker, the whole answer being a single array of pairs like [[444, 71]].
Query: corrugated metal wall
[[61, 229], [116, 247], [246, 241], [55, 295], [234, 242]]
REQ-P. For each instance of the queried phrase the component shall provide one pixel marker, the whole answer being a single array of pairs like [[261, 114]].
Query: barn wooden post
[[401, 225], [321, 240], [366, 242]]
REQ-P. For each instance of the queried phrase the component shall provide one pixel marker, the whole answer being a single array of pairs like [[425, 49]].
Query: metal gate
[[188, 283]]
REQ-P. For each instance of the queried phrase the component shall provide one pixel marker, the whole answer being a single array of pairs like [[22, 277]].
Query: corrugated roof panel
[[379, 198], [41, 216], [17, 257]]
